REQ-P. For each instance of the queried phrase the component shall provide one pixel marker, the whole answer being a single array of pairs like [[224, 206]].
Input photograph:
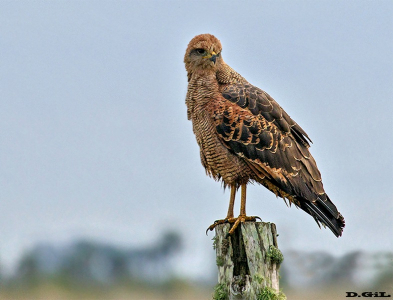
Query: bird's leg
[[242, 217], [230, 210], [243, 200], [231, 202]]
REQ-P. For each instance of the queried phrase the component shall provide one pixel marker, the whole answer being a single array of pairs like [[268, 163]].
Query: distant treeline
[[85, 263], [354, 269]]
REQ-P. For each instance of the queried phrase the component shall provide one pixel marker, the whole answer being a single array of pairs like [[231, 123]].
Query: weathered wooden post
[[248, 262]]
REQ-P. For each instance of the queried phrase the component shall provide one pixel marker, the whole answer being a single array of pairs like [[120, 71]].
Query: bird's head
[[203, 53]]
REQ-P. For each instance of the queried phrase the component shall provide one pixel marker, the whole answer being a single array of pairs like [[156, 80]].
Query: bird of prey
[[245, 136]]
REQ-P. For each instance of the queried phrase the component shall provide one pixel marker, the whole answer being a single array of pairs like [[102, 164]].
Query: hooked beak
[[213, 58]]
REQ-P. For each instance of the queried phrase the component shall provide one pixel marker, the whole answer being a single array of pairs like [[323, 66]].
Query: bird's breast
[[218, 160]]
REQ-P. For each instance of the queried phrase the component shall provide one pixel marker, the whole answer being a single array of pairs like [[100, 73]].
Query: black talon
[[208, 230], [217, 222], [258, 218]]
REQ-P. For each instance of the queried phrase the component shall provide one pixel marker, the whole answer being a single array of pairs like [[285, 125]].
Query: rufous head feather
[[203, 52]]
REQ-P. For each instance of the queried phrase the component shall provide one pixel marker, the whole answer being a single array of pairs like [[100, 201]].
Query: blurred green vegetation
[[58, 288], [91, 270]]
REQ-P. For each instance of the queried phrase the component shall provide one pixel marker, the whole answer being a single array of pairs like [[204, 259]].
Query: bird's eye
[[218, 54], [199, 51]]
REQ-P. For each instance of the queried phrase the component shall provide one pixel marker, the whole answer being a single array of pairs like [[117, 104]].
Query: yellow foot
[[234, 221]]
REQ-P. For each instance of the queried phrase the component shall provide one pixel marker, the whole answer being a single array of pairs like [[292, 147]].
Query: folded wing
[[254, 126]]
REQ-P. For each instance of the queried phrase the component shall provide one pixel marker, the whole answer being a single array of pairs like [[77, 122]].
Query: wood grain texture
[[245, 266]]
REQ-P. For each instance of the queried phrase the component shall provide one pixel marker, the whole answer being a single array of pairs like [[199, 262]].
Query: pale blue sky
[[95, 140]]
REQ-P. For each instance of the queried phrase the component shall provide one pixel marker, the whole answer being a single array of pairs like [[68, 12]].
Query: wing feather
[[253, 125]]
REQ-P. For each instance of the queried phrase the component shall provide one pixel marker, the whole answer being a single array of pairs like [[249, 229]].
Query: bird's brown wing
[[253, 126]]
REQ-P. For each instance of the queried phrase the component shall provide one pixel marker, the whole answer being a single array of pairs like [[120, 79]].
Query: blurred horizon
[[108, 271]]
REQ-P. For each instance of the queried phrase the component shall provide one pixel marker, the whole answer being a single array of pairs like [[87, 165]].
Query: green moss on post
[[214, 242], [220, 261], [270, 294], [275, 255], [220, 292]]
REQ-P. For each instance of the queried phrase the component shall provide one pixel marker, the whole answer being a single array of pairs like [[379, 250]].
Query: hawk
[[245, 136]]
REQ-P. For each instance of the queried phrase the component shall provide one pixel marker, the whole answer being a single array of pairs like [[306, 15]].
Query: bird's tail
[[325, 212]]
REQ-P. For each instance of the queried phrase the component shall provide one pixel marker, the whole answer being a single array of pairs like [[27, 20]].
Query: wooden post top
[[248, 261]]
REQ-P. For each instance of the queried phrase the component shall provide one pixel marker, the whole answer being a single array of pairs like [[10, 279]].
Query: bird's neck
[[226, 75]]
